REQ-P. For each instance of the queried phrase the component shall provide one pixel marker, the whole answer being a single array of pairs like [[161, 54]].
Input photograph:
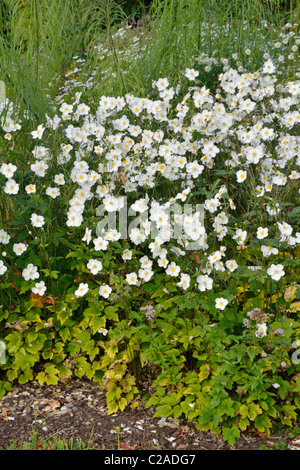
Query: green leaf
[[12, 374], [96, 323], [112, 407], [65, 334], [244, 423], [204, 372], [251, 353], [263, 424], [111, 313], [254, 410], [122, 403], [152, 401], [63, 314], [163, 410], [21, 358], [26, 376], [13, 341], [172, 399], [231, 434]]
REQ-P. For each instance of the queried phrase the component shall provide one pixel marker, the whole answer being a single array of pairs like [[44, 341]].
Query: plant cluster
[[159, 235]]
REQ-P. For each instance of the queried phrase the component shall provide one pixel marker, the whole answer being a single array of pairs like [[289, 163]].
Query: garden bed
[[36, 417]]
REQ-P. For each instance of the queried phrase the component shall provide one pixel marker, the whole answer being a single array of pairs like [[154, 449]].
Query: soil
[[77, 410]]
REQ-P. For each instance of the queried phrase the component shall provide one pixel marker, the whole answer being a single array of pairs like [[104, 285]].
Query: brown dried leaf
[[4, 414], [15, 325], [53, 404], [37, 299], [241, 247], [123, 177], [196, 259], [126, 446]]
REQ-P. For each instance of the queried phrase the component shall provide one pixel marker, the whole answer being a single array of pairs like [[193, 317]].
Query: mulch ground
[[78, 410]]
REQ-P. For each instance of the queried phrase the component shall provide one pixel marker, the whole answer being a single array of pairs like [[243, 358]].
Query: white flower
[[8, 170], [204, 282], [30, 272], [145, 262], [173, 269], [241, 176], [102, 330], [94, 266], [30, 188], [268, 67], [184, 281], [127, 255], [146, 274], [37, 134], [163, 262], [285, 228], [105, 291], [132, 278], [231, 265], [75, 219], [39, 168], [87, 237], [262, 233], [191, 74], [100, 244], [11, 187], [240, 236], [39, 288], [112, 203], [19, 248], [37, 220], [137, 236], [268, 250], [221, 303], [4, 237], [59, 179], [53, 192], [140, 205], [261, 330], [161, 84], [3, 268], [276, 271], [82, 289]]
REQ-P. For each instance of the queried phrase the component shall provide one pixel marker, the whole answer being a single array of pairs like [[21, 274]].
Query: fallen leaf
[[53, 404], [126, 446], [51, 447], [4, 414]]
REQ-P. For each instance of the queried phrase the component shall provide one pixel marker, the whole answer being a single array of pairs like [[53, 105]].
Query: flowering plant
[[158, 234]]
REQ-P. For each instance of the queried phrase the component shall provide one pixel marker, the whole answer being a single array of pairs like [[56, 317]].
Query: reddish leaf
[[126, 446]]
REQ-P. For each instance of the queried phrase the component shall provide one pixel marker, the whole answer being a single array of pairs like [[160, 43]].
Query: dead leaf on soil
[[126, 446], [53, 404], [4, 414]]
